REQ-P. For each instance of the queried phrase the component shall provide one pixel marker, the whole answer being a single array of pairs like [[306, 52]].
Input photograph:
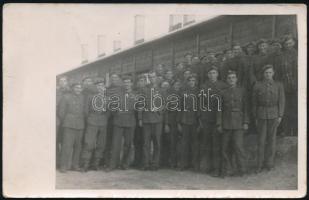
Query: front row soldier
[[151, 121], [71, 113], [268, 102], [123, 126], [187, 125], [211, 139], [95, 134], [232, 121]]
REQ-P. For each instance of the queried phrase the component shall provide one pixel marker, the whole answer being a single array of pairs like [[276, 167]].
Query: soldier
[[238, 64], [211, 139], [169, 76], [289, 79], [138, 136], [123, 126], [188, 126], [95, 135], [232, 121], [160, 70], [88, 87], [188, 58], [268, 107], [180, 67], [151, 121], [228, 55], [277, 59], [71, 113], [263, 58], [186, 74], [62, 89], [172, 120]]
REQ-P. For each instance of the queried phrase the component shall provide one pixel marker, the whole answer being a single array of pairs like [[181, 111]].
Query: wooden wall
[[216, 35]]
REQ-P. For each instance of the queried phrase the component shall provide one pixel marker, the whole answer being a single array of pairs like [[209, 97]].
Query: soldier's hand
[[245, 126], [279, 120], [179, 127], [140, 123], [219, 129], [166, 128]]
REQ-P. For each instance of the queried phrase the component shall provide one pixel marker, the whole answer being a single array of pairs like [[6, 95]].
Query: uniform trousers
[[95, 140], [127, 133], [189, 141], [152, 133], [267, 129], [58, 144], [233, 138], [138, 146], [210, 148], [71, 148]]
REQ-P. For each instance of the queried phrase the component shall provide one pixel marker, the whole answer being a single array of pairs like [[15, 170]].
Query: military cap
[[99, 80], [231, 72], [253, 44], [188, 53], [87, 77], [75, 83], [267, 67], [212, 68], [277, 42], [261, 41]]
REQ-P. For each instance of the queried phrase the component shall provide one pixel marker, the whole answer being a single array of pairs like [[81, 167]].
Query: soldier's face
[[180, 67], [141, 82], [115, 79], [152, 78], [165, 85], [263, 47], [186, 74], [77, 89], [213, 75], [268, 74], [229, 54], [231, 79], [160, 69], [290, 43], [192, 82], [127, 84], [237, 50], [169, 75], [177, 86], [63, 82], [276, 47], [87, 82], [204, 60]]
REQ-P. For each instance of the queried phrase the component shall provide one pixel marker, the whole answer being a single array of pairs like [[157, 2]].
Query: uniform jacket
[[149, 116], [214, 88], [71, 111], [126, 116], [289, 70], [172, 117], [96, 117], [268, 100], [189, 114], [234, 108], [60, 92]]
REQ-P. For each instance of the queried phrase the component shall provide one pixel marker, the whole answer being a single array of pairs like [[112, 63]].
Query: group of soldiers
[[256, 86]]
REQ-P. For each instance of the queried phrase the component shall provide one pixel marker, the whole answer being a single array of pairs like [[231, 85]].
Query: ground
[[283, 177]]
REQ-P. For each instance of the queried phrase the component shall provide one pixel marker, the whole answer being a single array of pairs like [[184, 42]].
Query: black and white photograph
[[182, 98]]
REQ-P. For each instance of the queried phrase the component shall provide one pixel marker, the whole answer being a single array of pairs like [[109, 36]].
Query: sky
[[51, 35]]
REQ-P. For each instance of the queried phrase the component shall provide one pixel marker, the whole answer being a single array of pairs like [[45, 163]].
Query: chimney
[[84, 53], [101, 45], [175, 22], [117, 45], [139, 29]]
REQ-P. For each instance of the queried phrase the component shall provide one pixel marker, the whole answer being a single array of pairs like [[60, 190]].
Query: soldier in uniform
[[151, 120], [62, 89], [196, 67], [95, 134], [188, 58], [232, 121], [289, 79], [211, 139], [71, 113], [228, 55], [277, 59], [188, 126], [169, 76], [138, 136], [180, 67], [123, 126], [268, 107], [160, 70]]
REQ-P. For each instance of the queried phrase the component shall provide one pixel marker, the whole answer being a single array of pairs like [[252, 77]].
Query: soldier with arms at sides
[[268, 107], [95, 134], [232, 121], [71, 112]]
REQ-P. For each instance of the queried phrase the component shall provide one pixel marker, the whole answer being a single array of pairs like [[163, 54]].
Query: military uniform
[[152, 129], [259, 62], [232, 118], [71, 112], [188, 119], [95, 134], [123, 126], [211, 139], [268, 105]]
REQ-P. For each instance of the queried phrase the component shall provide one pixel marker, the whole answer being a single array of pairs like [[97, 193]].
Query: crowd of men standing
[[257, 88]]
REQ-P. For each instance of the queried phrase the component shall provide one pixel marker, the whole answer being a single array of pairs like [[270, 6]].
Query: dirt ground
[[283, 177]]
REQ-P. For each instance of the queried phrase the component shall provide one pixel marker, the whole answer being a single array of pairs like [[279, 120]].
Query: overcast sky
[[51, 35]]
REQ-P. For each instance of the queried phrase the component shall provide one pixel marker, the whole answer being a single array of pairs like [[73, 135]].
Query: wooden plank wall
[[214, 37]]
